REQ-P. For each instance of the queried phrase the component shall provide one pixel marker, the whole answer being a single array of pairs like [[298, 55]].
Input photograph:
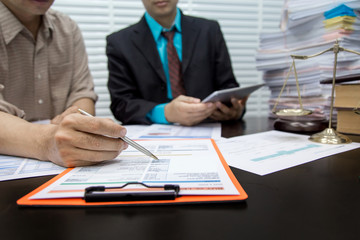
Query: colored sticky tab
[[343, 22], [341, 10]]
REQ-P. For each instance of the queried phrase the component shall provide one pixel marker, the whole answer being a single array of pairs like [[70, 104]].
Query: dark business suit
[[137, 81]]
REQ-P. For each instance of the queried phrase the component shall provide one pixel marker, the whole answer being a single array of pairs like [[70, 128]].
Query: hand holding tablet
[[225, 95]]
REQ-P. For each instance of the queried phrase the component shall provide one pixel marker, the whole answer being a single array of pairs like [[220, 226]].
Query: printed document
[[268, 152], [203, 130], [193, 164], [16, 167]]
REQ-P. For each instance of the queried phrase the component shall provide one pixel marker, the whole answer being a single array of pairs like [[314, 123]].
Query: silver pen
[[127, 140]]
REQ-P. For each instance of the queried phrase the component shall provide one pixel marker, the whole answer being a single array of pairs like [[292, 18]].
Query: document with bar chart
[[268, 152]]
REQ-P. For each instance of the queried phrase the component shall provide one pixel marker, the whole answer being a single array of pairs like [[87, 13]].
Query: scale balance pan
[[292, 112]]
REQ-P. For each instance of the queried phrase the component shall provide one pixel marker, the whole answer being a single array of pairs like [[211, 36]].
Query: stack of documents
[[307, 28]]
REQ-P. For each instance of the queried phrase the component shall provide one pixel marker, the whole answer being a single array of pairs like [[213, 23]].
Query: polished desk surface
[[316, 200]]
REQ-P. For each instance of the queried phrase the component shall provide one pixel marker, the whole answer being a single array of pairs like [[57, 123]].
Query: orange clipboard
[[188, 199]]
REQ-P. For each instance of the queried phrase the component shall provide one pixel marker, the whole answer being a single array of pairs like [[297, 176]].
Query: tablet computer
[[225, 95]]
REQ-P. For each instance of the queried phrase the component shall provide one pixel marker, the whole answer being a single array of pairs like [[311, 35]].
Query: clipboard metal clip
[[121, 193]]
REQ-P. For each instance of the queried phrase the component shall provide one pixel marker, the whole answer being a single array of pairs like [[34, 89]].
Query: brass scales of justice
[[328, 135]]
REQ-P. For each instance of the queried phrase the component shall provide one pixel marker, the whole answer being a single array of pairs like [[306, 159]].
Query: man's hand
[[80, 140], [225, 113], [188, 110], [57, 120]]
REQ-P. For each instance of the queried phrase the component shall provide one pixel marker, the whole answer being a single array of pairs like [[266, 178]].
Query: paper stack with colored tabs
[[341, 17], [310, 27]]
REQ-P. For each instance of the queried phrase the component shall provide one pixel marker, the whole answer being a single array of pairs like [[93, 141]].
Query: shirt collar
[[11, 26], [157, 29]]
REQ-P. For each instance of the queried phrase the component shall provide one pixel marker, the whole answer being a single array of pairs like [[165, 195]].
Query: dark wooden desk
[[317, 200]]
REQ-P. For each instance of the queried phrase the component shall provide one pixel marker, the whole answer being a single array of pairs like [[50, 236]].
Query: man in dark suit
[[157, 79]]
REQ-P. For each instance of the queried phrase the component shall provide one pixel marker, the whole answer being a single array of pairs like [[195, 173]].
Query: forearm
[[21, 138], [130, 110], [86, 104]]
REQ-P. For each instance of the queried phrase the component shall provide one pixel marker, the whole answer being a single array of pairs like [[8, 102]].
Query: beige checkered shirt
[[42, 77]]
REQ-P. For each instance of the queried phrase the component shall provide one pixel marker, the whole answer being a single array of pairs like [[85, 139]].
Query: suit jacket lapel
[[144, 42], [189, 37]]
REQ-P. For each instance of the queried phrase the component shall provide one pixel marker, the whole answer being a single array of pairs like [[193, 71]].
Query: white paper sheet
[[204, 130], [272, 151], [134, 131], [191, 163], [16, 167]]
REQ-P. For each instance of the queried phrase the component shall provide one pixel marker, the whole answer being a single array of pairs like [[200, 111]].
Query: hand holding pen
[[78, 140], [128, 140]]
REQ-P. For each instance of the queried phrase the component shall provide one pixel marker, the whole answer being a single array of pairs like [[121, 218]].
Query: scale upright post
[[329, 135]]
